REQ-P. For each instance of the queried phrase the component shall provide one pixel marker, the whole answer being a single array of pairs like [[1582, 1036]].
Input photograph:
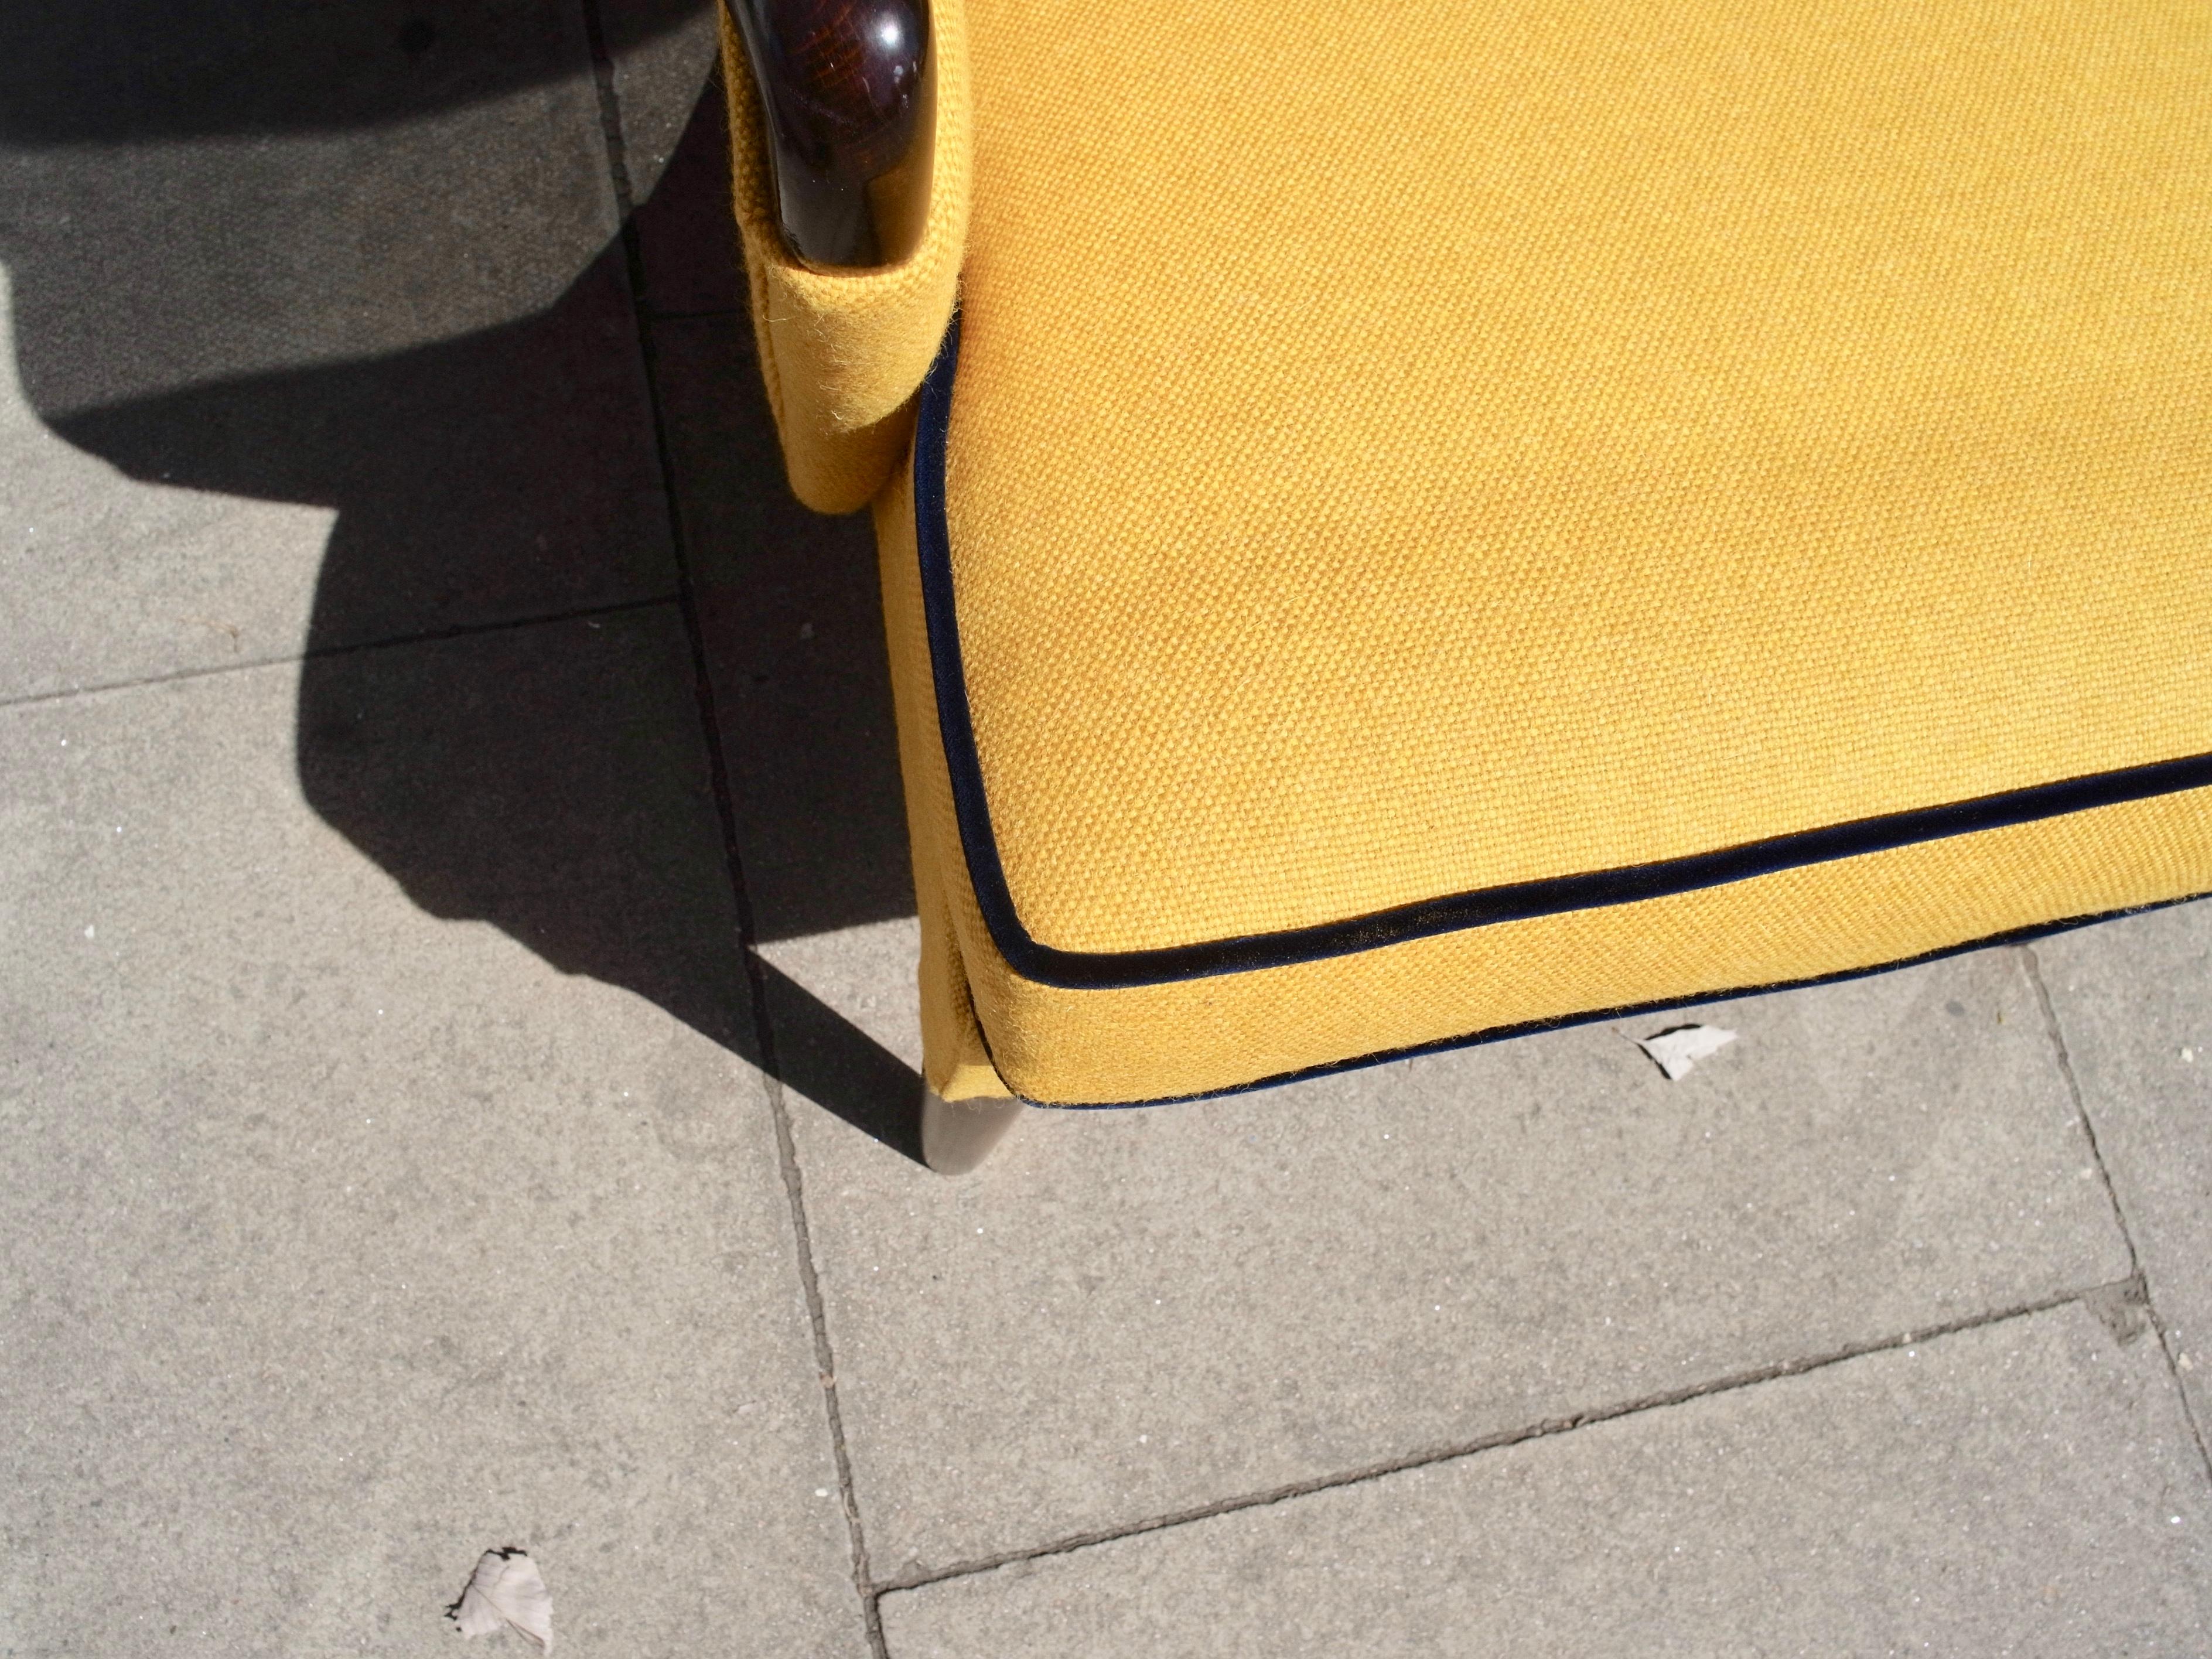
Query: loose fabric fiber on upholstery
[[1452, 517]]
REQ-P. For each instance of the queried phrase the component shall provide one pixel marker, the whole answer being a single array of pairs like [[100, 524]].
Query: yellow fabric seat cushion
[[1453, 517]]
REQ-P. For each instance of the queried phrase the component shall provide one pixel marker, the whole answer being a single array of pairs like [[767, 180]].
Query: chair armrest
[[839, 84]]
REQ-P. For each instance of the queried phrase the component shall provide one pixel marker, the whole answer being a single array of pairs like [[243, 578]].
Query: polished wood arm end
[[839, 84]]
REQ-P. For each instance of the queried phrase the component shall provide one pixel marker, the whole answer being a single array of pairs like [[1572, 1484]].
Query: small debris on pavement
[[1677, 1051], [507, 1592]]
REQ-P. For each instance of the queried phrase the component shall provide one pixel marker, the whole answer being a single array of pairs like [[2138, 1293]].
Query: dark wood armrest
[[839, 84]]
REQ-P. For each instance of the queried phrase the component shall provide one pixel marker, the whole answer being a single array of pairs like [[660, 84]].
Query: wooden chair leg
[[956, 1135]]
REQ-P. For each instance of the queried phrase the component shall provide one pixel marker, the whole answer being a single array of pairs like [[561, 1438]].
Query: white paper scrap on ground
[[506, 1593], [1678, 1050]]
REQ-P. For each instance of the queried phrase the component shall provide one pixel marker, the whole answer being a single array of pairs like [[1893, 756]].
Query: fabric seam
[[1488, 1034], [1047, 964]]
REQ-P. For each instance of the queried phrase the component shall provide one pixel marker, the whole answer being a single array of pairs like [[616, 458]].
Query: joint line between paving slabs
[[726, 811], [427, 636], [735, 313], [1545, 1430], [2140, 1279]]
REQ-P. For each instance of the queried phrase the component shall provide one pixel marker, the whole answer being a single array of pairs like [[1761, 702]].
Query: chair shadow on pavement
[[499, 704]]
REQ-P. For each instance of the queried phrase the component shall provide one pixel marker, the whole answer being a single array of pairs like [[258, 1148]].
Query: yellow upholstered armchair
[[1405, 525]]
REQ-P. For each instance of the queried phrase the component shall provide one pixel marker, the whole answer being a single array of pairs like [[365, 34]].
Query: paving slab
[[794, 633], [549, 780], [200, 193], [2022, 1488], [676, 135], [295, 373], [1127, 1316], [347, 1240], [2134, 1001]]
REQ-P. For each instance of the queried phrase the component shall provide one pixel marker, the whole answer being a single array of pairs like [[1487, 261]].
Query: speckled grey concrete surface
[[1128, 1315], [2025, 1488], [345, 1241], [314, 341], [678, 169], [2134, 1002]]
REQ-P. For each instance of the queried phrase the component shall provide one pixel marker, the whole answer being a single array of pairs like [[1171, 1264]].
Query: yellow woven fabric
[[842, 352], [1194, 1037], [1400, 453], [1403, 450]]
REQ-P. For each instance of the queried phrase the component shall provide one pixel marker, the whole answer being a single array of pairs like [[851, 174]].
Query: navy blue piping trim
[[1633, 1010], [1048, 964]]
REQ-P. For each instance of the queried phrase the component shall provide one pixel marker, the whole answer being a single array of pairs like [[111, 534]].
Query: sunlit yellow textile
[[1398, 451], [1158, 1041]]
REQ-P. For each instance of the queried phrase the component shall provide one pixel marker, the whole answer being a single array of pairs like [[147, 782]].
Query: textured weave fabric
[[1400, 453], [842, 352], [1159, 1042]]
